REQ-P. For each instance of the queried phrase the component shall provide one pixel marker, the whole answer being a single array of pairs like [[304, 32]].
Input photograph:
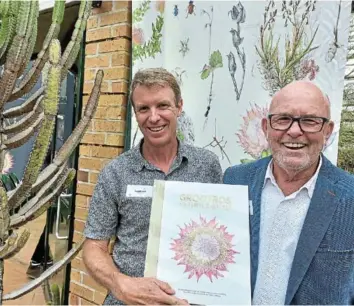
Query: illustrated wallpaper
[[230, 57]]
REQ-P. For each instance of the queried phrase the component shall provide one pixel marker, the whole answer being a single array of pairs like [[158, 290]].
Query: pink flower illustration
[[309, 69], [204, 248], [160, 6], [138, 36], [250, 136]]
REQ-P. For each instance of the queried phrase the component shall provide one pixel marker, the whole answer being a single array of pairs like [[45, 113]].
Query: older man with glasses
[[302, 216]]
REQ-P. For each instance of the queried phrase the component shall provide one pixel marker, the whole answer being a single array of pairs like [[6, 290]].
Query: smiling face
[[156, 113], [294, 149]]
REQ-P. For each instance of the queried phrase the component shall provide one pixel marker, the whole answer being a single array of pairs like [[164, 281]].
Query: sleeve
[[102, 219], [216, 170]]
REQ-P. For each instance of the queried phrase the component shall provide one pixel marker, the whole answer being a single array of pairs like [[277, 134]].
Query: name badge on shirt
[[139, 191]]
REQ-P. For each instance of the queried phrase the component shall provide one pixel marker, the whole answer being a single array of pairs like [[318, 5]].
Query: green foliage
[[180, 135], [215, 61], [153, 45], [139, 13]]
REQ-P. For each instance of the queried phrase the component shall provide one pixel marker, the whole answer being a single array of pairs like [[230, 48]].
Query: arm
[[132, 291], [101, 225]]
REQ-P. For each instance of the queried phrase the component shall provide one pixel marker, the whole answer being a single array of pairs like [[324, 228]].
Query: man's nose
[[154, 116], [295, 130]]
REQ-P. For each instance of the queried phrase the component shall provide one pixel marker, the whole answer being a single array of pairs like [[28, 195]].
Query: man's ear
[[180, 107], [329, 130], [265, 126]]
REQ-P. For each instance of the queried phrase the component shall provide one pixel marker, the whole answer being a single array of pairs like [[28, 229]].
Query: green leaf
[[215, 60], [246, 160], [205, 73], [265, 153]]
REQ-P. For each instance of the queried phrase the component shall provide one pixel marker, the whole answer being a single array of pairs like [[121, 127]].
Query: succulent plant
[[36, 117]]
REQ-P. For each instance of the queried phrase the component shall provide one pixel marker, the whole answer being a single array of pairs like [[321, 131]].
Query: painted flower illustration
[[204, 248], [160, 6], [238, 13], [8, 163], [308, 68], [138, 36], [250, 136]]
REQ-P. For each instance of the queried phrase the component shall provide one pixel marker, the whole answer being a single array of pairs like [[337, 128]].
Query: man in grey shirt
[[121, 201]]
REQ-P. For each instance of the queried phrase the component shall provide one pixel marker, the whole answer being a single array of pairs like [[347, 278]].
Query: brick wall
[[108, 39]]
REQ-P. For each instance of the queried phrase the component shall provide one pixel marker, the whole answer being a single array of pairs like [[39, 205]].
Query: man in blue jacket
[[302, 221]]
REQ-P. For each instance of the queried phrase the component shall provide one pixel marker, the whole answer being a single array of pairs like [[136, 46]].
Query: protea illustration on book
[[296, 62], [204, 248]]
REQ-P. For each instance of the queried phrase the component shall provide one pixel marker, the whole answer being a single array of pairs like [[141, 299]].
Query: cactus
[[39, 187]]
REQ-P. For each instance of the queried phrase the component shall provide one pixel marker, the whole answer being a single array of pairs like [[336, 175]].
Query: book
[[199, 241]]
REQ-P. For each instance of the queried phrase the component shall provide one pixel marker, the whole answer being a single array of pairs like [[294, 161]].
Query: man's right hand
[[145, 291]]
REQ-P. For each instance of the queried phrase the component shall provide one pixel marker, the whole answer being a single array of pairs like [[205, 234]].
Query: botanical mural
[[230, 57]]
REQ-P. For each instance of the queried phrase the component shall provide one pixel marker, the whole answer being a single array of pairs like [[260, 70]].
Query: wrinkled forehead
[[300, 102]]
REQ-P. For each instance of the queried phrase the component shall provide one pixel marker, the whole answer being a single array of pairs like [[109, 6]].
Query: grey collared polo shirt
[[112, 213]]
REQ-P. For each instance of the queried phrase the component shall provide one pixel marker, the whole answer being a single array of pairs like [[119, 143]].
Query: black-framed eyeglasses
[[309, 124]]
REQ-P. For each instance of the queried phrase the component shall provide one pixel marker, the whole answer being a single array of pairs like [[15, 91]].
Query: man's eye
[[142, 109], [163, 106], [282, 119], [310, 121]]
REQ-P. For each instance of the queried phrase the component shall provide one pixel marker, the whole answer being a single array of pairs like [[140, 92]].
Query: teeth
[[158, 129], [294, 145]]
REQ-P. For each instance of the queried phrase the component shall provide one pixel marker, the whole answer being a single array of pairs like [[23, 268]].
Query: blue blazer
[[323, 268]]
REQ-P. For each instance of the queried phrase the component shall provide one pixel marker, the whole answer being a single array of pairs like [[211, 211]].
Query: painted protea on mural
[[8, 163], [250, 136], [138, 36], [204, 248], [160, 6]]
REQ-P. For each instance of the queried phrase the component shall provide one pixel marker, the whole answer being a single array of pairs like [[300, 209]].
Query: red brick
[[115, 140], [89, 163], [93, 138], [106, 152], [102, 60], [120, 87], [120, 44], [92, 22], [91, 49], [120, 4], [120, 59], [81, 291], [81, 201], [106, 6], [98, 34], [122, 30], [85, 189], [82, 176], [114, 18], [108, 126]]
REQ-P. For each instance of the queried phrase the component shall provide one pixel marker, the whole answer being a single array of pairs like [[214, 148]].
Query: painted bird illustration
[[232, 64], [236, 38]]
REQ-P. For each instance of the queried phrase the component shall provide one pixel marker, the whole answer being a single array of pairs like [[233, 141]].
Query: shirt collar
[[309, 185], [140, 162]]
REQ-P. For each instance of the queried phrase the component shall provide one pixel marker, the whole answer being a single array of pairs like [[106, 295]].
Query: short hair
[[150, 77]]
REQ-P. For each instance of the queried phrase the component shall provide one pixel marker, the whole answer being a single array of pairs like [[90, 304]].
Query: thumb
[[165, 287]]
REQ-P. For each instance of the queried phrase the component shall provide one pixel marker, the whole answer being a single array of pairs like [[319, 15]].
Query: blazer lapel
[[256, 186], [322, 207]]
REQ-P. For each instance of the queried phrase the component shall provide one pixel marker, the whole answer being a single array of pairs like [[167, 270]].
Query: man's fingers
[[172, 300], [165, 287]]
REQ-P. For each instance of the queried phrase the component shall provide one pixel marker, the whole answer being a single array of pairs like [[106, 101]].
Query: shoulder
[[344, 180], [242, 172]]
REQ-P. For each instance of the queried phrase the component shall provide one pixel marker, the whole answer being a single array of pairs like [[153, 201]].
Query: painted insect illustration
[[190, 8], [184, 48], [175, 10], [334, 46]]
